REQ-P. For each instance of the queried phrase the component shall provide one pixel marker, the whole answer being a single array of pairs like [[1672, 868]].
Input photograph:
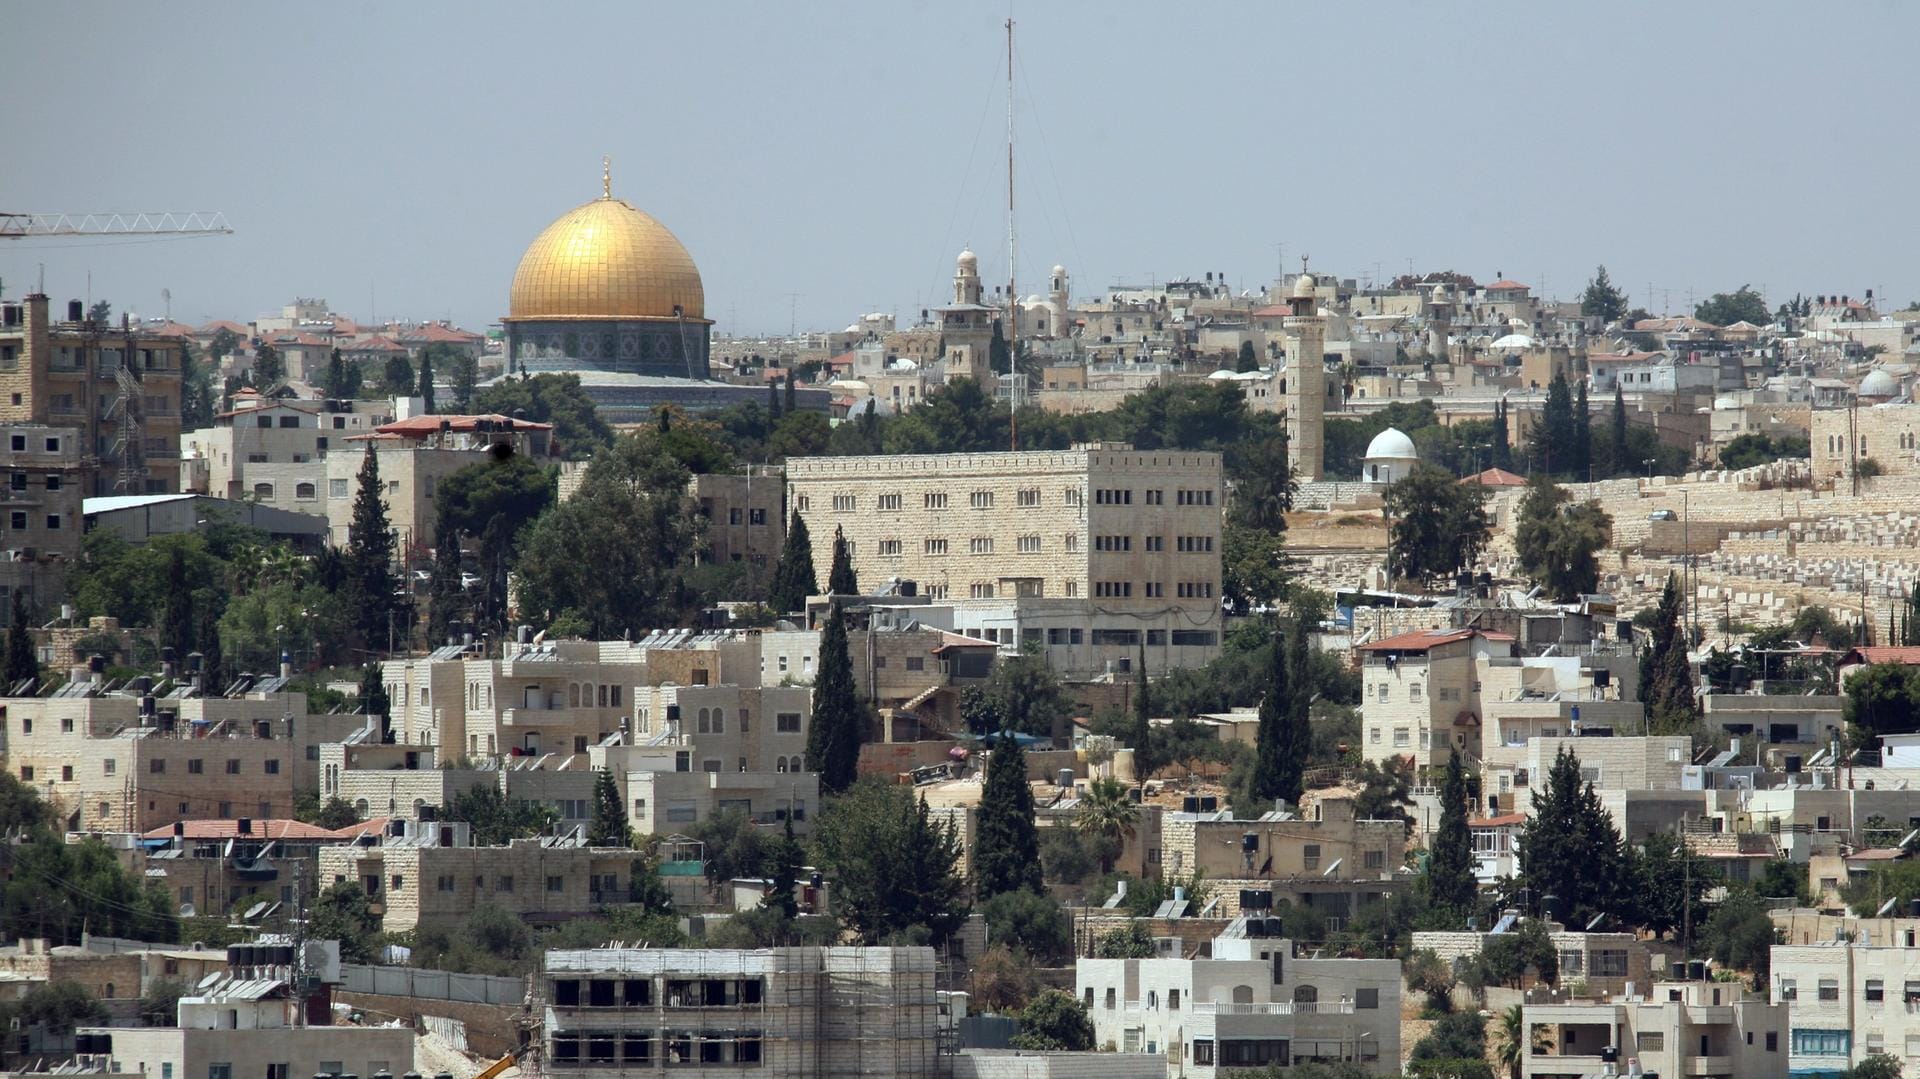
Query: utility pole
[[1013, 297]]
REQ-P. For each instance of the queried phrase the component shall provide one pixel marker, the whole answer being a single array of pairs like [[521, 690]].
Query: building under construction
[[805, 1011]]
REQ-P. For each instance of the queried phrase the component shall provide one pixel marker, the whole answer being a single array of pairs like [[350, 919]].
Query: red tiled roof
[[960, 640], [170, 329], [1277, 310], [422, 426], [1906, 656], [262, 829], [1503, 284], [216, 326], [1504, 820], [1420, 640], [376, 343], [1497, 477]]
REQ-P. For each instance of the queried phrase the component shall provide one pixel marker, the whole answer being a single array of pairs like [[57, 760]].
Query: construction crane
[[15, 226]]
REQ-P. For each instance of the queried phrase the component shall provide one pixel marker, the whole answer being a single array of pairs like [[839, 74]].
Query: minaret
[[1306, 335], [1439, 322], [966, 279], [1057, 299]]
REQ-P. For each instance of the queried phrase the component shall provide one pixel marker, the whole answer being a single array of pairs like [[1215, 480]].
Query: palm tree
[[1106, 812], [1514, 1041]]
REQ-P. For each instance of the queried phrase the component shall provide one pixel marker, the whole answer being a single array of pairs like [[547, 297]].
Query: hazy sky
[[398, 157]]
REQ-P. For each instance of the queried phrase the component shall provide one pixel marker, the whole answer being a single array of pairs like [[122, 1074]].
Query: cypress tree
[[773, 403], [1296, 737], [425, 391], [20, 662], [373, 698], [838, 724], [336, 377], [1272, 741], [370, 557], [213, 661], [1658, 695], [1450, 872], [840, 579], [1553, 434], [444, 596], [1502, 446], [1582, 435], [793, 576], [1141, 729], [609, 827], [1622, 463], [1006, 851], [792, 397], [176, 620], [785, 859], [1570, 848]]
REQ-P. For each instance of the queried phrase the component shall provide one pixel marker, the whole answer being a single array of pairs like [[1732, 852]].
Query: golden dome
[[606, 260]]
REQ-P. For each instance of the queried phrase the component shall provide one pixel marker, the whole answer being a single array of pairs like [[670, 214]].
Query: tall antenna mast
[[1013, 301]]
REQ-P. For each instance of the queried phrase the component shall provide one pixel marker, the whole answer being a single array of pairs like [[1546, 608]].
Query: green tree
[[613, 557], [1559, 544], [1668, 881], [1450, 874], [1278, 759], [334, 381], [1253, 566], [1456, 1036], [268, 368], [1739, 934], [735, 847], [196, 390], [793, 577], [445, 598], [1755, 448], [1727, 308], [1426, 972], [1516, 1039], [1552, 441], [895, 872], [370, 557], [1883, 698], [160, 1004], [396, 378], [1140, 731], [1876, 1066], [424, 388], [336, 813], [840, 720], [1782, 879], [1024, 694], [1570, 849], [609, 826], [494, 819], [1031, 924], [1130, 941], [1601, 300], [1054, 1021], [463, 375], [343, 913], [1666, 674], [840, 579], [58, 1006], [1502, 452], [1006, 847], [1248, 360], [1582, 435], [1438, 524], [1107, 813], [373, 694], [1385, 792], [21, 664], [495, 501], [1619, 458], [550, 398]]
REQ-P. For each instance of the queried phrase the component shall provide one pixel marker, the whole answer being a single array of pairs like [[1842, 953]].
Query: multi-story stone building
[[743, 515], [1849, 999], [1086, 554], [118, 386], [274, 452], [110, 764], [1712, 1030], [428, 877], [47, 477], [796, 1012], [415, 455], [1420, 695], [1253, 1004], [1844, 438], [1331, 860]]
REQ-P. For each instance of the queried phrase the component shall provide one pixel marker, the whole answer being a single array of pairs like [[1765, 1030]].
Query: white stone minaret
[[1439, 322], [966, 279], [1306, 335], [1057, 299]]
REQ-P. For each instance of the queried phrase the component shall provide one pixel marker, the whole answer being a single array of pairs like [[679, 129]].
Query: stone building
[[1086, 554], [47, 481], [1253, 1003], [791, 1012], [274, 452], [1420, 697], [744, 515], [415, 455], [1887, 434], [1713, 1030], [414, 880], [118, 386]]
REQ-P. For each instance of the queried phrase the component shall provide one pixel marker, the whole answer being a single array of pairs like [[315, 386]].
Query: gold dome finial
[[606, 177]]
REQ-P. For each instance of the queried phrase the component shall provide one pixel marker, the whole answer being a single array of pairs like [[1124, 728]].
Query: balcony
[[1336, 1007], [1709, 1014]]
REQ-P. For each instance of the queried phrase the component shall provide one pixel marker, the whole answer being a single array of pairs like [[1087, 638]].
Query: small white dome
[[1514, 340], [1517, 323], [968, 260], [1059, 271], [1878, 384], [1303, 286], [1725, 402], [1391, 445], [1442, 294]]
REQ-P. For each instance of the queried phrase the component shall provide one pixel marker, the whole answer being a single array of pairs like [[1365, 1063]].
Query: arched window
[[1306, 994], [305, 492], [780, 764], [263, 491], [573, 696], [706, 721], [1243, 994], [360, 808], [600, 696]]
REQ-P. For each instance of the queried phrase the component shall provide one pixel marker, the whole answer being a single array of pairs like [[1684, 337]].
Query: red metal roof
[[1504, 820], [1907, 656], [1505, 283], [275, 828], [1420, 640]]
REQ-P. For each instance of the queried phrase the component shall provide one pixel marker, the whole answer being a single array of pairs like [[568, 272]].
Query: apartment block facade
[[1708, 1030], [1087, 554], [1849, 1000], [1420, 694], [40, 512]]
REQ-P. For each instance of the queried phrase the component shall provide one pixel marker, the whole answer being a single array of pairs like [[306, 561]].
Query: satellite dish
[[209, 981], [1885, 907], [1596, 921], [1334, 866], [253, 912], [186, 910]]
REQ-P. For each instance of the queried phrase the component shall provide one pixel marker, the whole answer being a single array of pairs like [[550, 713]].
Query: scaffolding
[[799, 1011]]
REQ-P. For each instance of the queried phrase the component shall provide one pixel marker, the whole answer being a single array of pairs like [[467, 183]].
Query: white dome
[[1878, 384], [1303, 286], [1391, 445], [968, 259], [1514, 340], [1059, 271], [1725, 402]]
